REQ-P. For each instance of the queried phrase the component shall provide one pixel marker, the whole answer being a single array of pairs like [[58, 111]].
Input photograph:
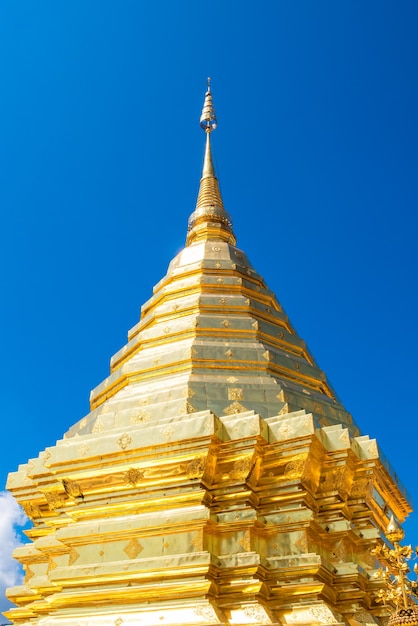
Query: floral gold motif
[[195, 467], [133, 548], [124, 441], [241, 468], [295, 467], [235, 408], [235, 394], [132, 476], [141, 416], [54, 499], [98, 426]]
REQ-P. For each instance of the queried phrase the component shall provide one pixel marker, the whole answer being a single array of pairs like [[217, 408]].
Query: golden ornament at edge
[[195, 467], [294, 468], [72, 488], [132, 476], [241, 468]]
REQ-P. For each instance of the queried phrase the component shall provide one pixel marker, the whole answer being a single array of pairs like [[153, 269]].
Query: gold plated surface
[[217, 479]]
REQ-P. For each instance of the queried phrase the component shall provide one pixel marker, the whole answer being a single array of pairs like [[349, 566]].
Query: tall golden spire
[[209, 220]]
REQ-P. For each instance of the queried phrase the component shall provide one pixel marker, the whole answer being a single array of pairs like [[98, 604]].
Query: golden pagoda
[[217, 479]]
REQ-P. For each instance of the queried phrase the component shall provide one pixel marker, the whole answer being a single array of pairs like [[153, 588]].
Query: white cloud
[[11, 518]]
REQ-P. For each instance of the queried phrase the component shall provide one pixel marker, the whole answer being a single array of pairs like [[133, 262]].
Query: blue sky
[[100, 157]]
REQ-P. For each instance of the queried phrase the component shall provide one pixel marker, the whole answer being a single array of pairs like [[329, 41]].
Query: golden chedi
[[217, 479]]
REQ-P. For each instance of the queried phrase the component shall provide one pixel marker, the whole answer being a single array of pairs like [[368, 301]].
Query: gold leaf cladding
[[187, 408], [339, 553], [124, 441], [318, 408], [47, 456], [167, 433], [365, 618], [29, 574], [301, 543], [207, 613], [72, 488], [322, 614], [140, 417], [235, 408], [245, 541], [132, 476], [195, 467], [83, 449], [98, 426], [133, 548], [51, 564], [360, 488], [54, 499], [333, 480], [73, 556], [31, 509], [235, 394], [256, 613], [197, 541], [295, 467], [241, 468]]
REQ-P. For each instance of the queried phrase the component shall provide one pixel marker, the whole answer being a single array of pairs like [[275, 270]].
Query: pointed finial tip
[[208, 119]]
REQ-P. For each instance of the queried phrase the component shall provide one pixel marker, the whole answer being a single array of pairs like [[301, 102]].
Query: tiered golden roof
[[217, 479]]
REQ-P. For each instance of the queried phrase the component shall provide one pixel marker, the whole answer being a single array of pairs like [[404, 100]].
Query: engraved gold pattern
[[235, 394], [51, 564], [72, 488], [133, 476], [295, 467], [197, 541], [133, 548], [98, 426], [124, 441], [195, 467], [234, 408], [54, 499], [83, 448], [241, 468], [73, 556], [245, 541], [141, 417]]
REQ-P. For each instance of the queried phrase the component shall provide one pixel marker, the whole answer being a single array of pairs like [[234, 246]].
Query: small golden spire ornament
[[209, 219], [400, 590]]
